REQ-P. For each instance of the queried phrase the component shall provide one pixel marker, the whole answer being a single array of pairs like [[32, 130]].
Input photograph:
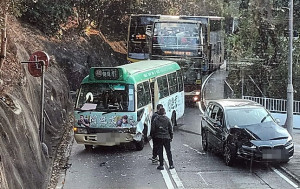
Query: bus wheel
[[88, 147], [145, 131], [140, 144], [173, 119]]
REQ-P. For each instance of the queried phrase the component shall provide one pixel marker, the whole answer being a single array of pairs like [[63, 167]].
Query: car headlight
[[289, 142], [197, 92], [289, 138], [250, 148]]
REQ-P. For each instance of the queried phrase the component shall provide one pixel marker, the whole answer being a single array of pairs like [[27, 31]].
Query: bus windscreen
[[137, 38], [176, 39], [106, 97]]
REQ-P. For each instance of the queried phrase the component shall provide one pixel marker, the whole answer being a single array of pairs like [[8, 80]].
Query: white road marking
[[198, 152], [285, 178], [199, 173], [172, 171], [167, 178]]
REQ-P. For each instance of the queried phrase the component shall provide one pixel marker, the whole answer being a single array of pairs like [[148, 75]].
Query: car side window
[[219, 116], [208, 110], [214, 112], [216, 115]]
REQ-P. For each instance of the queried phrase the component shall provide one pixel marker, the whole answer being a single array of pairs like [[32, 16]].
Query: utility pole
[[290, 89]]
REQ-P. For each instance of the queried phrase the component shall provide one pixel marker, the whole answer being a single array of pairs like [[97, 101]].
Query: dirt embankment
[[22, 162]]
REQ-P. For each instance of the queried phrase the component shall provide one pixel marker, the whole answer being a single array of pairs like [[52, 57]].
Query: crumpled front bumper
[[267, 153]]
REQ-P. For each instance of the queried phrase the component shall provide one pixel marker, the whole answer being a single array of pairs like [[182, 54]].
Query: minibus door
[[154, 94]]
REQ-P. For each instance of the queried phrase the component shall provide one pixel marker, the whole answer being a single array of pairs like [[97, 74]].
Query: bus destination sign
[[106, 73]]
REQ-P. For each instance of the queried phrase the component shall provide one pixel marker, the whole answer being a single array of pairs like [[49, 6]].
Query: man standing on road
[[163, 132], [154, 157]]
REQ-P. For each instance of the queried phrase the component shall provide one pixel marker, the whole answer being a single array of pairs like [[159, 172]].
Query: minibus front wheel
[[88, 147], [140, 144]]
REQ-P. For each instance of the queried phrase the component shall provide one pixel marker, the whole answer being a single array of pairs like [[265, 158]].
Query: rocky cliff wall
[[22, 161]]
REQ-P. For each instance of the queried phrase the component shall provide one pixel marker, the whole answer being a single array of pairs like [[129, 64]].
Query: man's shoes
[[160, 167], [154, 160], [171, 167]]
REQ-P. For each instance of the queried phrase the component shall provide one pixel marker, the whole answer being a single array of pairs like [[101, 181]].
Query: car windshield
[[247, 116], [106, 97]]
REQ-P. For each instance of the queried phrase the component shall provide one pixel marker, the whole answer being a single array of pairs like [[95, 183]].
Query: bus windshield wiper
[[106, 112], [80, 110]]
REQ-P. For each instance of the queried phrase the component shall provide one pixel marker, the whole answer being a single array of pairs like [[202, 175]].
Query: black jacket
[[155, 114], [162, 127]]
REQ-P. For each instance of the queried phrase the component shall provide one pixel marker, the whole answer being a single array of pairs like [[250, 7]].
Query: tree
[[3, 12]]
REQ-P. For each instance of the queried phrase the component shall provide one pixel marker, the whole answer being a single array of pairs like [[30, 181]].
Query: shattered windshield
[[106, 97], [247, 116]]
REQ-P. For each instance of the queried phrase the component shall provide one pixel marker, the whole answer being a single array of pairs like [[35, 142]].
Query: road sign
[[39, 58]]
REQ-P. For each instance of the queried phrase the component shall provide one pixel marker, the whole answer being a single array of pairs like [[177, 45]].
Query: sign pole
[[37, 65], [42, 126]]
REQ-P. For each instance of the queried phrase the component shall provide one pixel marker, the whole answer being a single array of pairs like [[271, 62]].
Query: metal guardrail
[[274, 105]]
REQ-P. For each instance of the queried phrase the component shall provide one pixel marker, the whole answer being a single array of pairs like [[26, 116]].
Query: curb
[[202, 93], [62, 174]]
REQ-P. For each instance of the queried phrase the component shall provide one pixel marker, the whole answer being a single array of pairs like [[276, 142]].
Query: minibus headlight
[[133, 130], [80, 130]]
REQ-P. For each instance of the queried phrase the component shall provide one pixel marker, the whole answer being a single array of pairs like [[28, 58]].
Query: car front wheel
[[204, 141], [229, 156]]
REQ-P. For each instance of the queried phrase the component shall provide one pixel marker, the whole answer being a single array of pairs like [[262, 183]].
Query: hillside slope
[[22, 162]]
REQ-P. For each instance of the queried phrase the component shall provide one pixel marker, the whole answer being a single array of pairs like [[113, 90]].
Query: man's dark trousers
[[164, 142], [155, 148]]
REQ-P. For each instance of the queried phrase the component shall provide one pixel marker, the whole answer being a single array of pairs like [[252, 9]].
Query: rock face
[[22, 161]]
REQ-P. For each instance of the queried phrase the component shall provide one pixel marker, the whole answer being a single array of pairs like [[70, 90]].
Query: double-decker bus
[[139, 33], [114, 105], [181, 41], [198, 52], [137, 42]]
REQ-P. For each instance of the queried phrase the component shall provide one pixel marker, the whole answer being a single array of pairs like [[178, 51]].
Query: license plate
[[271, 154]]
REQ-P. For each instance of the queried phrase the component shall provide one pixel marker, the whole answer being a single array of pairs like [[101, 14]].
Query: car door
[[214, 131], [221, 130], [206, 122]]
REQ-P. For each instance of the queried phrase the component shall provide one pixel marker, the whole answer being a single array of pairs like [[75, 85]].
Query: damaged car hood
[[267, 131]]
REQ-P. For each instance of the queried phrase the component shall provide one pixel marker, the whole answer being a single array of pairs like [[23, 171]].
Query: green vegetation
[[261, 38]]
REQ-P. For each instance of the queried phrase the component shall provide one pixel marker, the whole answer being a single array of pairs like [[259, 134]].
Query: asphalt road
[[123, 167]]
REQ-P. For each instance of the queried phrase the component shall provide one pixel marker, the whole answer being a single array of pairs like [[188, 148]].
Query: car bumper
[[267, 154], [104, 139]]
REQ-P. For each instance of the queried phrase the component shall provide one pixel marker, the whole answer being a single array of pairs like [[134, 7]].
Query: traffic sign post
[[37, 65]]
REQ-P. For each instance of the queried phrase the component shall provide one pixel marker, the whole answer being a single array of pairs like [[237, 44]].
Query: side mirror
[[218, 124], [277, 121]]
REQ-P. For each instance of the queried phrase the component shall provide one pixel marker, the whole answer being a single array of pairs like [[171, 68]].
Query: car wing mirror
[[217, 124], [277, 121]]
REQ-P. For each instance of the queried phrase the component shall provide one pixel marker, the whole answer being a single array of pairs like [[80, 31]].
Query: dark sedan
[[240, 128]]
